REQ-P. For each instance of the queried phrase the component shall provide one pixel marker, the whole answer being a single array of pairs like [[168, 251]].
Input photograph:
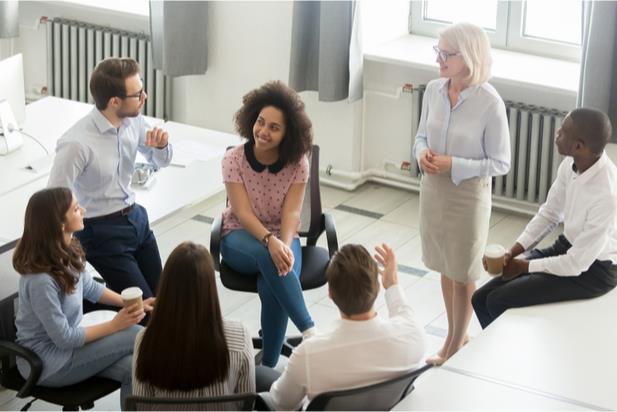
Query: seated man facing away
[[362, 349], [581, 264]]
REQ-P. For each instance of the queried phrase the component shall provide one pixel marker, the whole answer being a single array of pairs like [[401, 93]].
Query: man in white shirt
[[363, 348], [581, 264]]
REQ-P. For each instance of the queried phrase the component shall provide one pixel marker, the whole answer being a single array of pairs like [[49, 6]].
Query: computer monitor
[[12, 103]]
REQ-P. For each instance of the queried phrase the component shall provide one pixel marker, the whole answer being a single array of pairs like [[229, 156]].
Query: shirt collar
[[102, 123], [465, 93], [249, 153], [589, 173]]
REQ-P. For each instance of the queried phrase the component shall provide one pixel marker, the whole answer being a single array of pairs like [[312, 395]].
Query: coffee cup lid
[[494, 251], [131, 293]]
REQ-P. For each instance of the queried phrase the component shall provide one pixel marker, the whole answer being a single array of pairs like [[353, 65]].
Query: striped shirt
[[240, 378]]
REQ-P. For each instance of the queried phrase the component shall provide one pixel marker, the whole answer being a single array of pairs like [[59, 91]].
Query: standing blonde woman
[[462, 141]]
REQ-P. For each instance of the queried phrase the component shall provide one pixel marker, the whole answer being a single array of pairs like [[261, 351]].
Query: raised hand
[[157, 138], [386, 258]]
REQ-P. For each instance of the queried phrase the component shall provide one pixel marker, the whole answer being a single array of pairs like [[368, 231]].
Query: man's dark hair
[[353, 280], [593, 127], [108, 79]]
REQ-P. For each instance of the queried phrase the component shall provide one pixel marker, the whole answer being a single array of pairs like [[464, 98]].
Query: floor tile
[[407, 213], [380, 232], [332, 197], [377, 198]]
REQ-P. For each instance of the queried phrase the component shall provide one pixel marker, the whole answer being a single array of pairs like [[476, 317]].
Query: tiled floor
[[371, 215]]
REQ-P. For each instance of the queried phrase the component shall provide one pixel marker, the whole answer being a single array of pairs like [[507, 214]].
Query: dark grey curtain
[[325, 51], [598, 81], [9, 23], [179, 36]]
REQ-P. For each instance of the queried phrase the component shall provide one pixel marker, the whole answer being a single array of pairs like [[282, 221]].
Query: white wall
[[249, 44]]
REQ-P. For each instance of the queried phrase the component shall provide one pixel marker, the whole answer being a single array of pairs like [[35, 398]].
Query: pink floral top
[[266, 186]]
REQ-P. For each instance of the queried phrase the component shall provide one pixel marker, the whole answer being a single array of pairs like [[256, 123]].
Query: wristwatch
[[266, 239]]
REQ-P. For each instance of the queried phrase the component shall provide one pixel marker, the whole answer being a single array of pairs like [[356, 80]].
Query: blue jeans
[[109, 357], [281, 296], [123, 250]]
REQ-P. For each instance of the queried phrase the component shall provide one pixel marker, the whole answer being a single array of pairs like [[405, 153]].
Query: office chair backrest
[[236, 402], [8, 332], [310, 216], [381, 396]]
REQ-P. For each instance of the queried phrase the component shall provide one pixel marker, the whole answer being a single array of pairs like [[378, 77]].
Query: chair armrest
[[264, 402], [36, 365], [215, 241], [330, 233]]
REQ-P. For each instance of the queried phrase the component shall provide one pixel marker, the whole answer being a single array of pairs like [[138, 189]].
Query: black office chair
[[314, 222], [236, 402], [381, 396], [71, 398]]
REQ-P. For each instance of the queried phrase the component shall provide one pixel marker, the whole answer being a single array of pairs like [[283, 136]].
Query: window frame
[[508, 34]]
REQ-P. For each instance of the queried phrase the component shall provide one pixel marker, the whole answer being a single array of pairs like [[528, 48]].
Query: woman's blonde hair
[[475, 48]]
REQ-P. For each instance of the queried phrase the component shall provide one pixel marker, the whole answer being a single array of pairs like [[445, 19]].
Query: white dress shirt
[[587, 205], [354, 354], [96, 161], [474, 132]]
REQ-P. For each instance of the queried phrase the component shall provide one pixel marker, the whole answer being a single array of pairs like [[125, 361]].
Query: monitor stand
[[10, 136]]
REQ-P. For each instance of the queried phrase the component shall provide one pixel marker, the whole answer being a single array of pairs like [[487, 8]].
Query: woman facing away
[[265, 180], [51, 292], [187, 350], [463, 140]]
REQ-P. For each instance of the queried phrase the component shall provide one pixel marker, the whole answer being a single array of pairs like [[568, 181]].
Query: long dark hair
[[299, 130], [184, 346], [42, 248]]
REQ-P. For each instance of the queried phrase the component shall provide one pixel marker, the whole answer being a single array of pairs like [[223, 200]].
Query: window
[[139, 7], [550, 28]]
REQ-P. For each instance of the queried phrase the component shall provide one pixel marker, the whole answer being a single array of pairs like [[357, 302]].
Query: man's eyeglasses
[[443, 55], [139, 95]]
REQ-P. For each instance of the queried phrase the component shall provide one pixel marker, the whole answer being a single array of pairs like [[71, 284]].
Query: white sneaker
[[308, 333]]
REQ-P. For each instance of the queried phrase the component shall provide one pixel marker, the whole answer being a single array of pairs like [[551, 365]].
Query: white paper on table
[[187, 151]]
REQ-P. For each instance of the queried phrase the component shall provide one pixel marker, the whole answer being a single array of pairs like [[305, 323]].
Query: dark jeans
[[529, 289], [123, 250]]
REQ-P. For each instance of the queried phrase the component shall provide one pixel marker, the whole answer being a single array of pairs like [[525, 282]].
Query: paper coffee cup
[[132, 295], [494, 255]]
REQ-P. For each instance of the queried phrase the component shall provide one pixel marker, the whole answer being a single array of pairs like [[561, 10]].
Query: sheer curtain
[[326, 53], [598, 82], [179, 36]]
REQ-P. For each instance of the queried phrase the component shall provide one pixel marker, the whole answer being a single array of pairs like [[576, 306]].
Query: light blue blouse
[[48, 319], [474, 132]]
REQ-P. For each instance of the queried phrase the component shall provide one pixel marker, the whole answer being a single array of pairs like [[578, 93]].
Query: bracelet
[[266, 239]]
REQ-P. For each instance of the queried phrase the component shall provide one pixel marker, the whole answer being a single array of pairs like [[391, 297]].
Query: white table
[[174, 188], [442, 390], [565, 350]]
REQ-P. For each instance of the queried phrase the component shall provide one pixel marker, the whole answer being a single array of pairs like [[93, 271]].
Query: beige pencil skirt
[[454, 223]]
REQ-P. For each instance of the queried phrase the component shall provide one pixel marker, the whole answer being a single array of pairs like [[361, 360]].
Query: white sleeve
[[288, 391]]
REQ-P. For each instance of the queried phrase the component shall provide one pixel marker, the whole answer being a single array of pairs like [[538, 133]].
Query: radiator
[[74, 48], [535, 158]]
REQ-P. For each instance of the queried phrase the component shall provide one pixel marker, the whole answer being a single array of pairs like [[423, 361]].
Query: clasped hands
[[433, 163], [281, 254], [512, 267]]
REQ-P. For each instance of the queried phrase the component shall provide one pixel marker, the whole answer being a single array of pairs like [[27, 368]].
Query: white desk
[[565, 350], [174, 188], [441, 390]]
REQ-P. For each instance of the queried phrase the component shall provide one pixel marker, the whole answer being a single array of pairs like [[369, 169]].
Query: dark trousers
[[123, 250], [529, 289]]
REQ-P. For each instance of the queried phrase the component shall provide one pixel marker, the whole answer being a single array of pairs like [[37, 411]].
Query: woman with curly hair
[[265, 180], [51, 291]]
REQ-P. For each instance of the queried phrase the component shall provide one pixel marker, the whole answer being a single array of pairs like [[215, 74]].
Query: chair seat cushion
[[314, 262], [82, 393]]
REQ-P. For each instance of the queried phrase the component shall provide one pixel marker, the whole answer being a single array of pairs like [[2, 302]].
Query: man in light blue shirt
[[95, 158]]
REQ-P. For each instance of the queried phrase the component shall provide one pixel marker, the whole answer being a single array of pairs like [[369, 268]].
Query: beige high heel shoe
[[438, 360]]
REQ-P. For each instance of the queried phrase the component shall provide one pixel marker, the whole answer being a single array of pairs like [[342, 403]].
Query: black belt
[[119, 213]]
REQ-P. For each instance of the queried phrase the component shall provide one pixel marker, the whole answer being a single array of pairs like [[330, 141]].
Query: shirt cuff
[[394, 295], [525, 240], [419, 146], [536, 265]]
